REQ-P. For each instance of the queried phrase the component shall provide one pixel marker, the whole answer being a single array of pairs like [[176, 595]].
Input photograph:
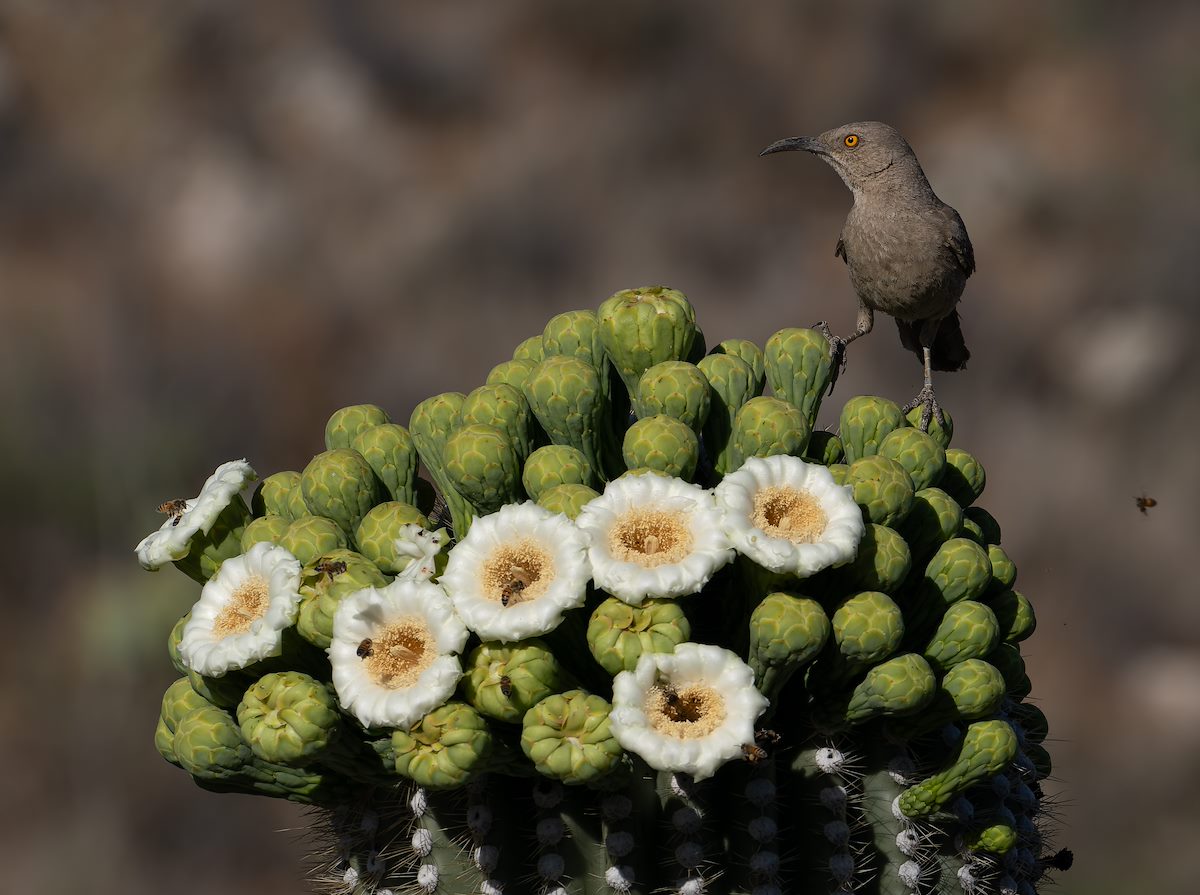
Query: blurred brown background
[[219, 221]]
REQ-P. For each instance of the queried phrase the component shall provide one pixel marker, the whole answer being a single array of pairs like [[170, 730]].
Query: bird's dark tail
[[948, 351]]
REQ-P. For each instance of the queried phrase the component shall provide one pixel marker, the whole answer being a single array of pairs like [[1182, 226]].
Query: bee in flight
[[752, 753], [365, 649], [1144, 503], [173, 508]]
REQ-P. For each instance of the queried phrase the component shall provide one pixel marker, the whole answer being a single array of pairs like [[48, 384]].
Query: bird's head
[[861, 152]]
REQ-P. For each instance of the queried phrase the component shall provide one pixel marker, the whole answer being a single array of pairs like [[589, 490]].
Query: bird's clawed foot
[[930, 409], [837, 352]]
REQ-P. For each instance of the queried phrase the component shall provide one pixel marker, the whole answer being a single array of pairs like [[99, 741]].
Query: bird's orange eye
[[851, 140]]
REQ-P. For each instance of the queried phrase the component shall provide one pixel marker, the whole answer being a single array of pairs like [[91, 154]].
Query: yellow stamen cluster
[[400, 652], [246, 605], [517, 572], [687, 713], [650, 538], [786, 513]]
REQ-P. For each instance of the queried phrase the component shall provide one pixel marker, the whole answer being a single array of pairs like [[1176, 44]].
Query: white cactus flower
[[689, 711], [789, 516], [652, 536], [187, 517], [516, 572], [243, 611], [393, 652]]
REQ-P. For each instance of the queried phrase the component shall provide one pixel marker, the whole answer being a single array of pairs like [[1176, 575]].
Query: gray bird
[[907, 251]]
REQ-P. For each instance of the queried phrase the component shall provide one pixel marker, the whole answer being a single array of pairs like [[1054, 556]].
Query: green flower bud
[[799, 367], [178, 700], [530, 349], [288, 717], [731, 384], [1032, 720], [346, 424], [998, 839], [430, 425], [1007, 660], [445, 748], [379, 529], [933, 519], [1004, 570], [937, 431], [824, 448], [986, 522], [968, 630], [567, 737], [279, 495], [505, 680], [787, 632], [922, 457], [575, 334], [882, 564], [765, 427], [900, 686], [484, 467], [265, 528], [986, 749], [556, 464], [504, 407], [675, 389], [1014, 615], [341, 486], [867, 628], [311, 536], [511, 372], [963, 478], [643, 327], [976, 687], [225, 691], [750, 354], [566, 398], [959, 570], [663, 444], [325, 583], [208, 744], [865, 422], [618, 634], [971, 530], [392, 454], [173, 643], [839, 471], [882, 488], [567, 499]]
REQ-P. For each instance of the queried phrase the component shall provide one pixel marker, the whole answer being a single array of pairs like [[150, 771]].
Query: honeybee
[[365, 649], [506, 686], [176, 508], [671, 699], [753, 754], [766, 736], [330, 567], [1063, 858], [510, 590], [1144, 503]]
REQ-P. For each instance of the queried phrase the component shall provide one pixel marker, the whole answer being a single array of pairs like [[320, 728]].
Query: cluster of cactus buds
[[646, 630]]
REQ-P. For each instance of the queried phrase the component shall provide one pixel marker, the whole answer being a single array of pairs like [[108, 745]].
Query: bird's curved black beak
[[804, 144]]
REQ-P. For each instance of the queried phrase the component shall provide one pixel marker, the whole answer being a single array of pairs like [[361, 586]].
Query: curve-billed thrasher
[[907, 251]]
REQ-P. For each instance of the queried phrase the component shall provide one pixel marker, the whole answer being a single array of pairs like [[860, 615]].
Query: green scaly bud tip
[[643, 327], [986, 749], [676, 389], [968, 630], [288, 717], [279, 495], [865, 421], [824, 448], [505, 680], [556, 464], [484, 467], [933, 519], [963, 478], [340, 485], [1014, 615], [900, 686], [618, 634], [347, 423], [445, 748], [940, 432], [511, 372], [377, 533], [269, 528], [392, 454], [567, 737], [765, 427], [530, 349], [882, 488], [567, 499], [799, 367], [920, 455], [747, 352], [787, 631], [976, 687], [663, 444], [311, 536]]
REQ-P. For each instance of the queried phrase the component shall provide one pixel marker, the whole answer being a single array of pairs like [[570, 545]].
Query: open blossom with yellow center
[[689, 711], [651, 536], [393, 652], [243, 611], [789, 516], [186, 518], [516, 572]]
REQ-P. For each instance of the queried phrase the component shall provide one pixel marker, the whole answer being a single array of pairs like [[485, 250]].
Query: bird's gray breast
[[900, 261]]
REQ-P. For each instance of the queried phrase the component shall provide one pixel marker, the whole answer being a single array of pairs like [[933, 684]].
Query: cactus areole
[[660, 635]]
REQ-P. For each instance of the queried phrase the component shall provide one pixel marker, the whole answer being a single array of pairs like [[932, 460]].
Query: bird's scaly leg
[[837, 345], [926, 399]]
